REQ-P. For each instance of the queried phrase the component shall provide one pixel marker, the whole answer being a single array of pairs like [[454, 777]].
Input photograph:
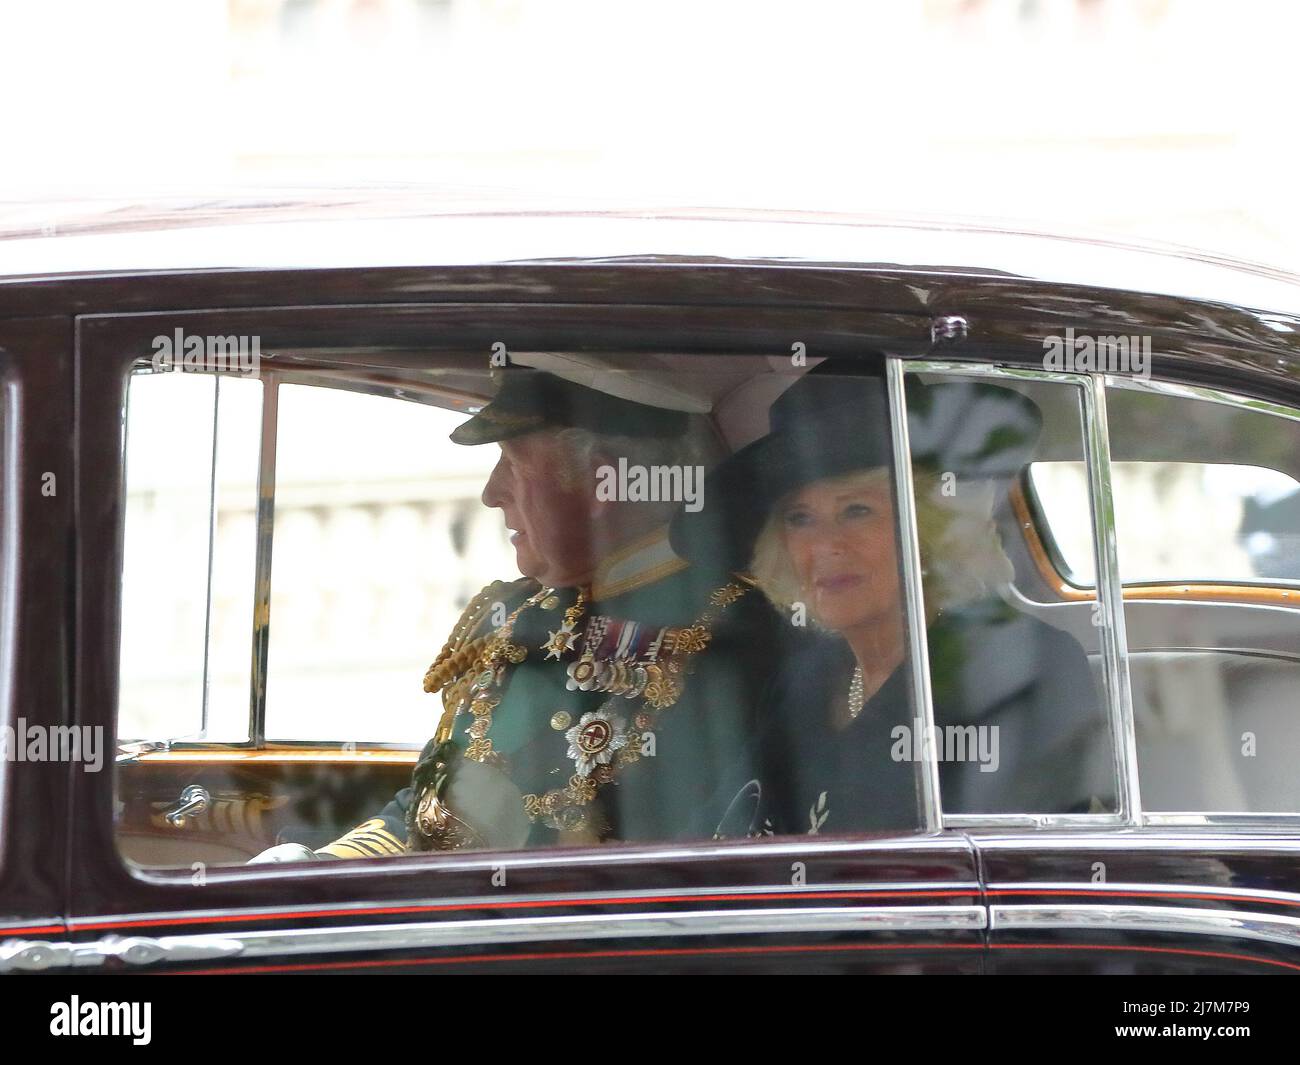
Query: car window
[[380, 604], [1214, 661], [187, 569], [1247, 520], [458, 605], [380, 541], [374, 520], [1021, 722]]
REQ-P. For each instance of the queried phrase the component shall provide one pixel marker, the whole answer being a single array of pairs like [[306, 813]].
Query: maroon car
[[234, 536]]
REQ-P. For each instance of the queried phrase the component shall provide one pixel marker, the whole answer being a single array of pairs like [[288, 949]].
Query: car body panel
[[917, 900], [943, 902], [366, 231], [35, 634], [1134, 901]]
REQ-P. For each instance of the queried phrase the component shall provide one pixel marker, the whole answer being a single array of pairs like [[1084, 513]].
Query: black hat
[[834, 420], [528, 400]]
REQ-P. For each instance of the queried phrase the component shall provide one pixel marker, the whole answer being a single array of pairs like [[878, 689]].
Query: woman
[[811, 508]]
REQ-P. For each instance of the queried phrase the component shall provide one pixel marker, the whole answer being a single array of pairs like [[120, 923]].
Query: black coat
[[1020, 728]]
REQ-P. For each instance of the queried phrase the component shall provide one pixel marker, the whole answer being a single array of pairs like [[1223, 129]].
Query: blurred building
[[1148, 118], [380, 541]]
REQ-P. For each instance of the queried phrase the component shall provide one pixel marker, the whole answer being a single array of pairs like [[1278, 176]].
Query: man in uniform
[[605, 695]]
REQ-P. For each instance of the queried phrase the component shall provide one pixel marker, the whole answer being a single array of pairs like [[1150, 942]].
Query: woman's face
[[839, 535]]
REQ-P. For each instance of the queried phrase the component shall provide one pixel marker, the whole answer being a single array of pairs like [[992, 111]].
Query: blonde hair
[[961, 553]]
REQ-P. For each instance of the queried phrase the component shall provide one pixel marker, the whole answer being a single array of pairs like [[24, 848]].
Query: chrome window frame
[[929, 798], [1114, 643], [1209, 819], [261, 642]]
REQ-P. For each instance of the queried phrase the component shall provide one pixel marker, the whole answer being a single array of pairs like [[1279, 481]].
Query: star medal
[[594, 741], [563, 639]]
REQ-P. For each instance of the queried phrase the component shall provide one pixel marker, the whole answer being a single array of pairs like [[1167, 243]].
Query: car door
[[40, 752], [158, 880], [1198, 872]]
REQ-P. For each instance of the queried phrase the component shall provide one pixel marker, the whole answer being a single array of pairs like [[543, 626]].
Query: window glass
[[577, 599], [188, 554], [1020, 718], [380, 541], [1214, 673], [1247, 521], [817, 494]]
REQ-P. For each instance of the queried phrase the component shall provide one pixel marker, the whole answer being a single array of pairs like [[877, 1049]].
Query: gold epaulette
[[450, 671], [505, 592], [370, 839], [471, 618]]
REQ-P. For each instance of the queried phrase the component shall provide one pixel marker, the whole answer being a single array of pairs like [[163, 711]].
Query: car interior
[[1210, 660]]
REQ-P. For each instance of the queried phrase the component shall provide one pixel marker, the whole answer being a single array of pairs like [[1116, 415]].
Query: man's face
[[550, 519]]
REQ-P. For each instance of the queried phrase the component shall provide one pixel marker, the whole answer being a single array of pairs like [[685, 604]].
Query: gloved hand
[[285, 852]]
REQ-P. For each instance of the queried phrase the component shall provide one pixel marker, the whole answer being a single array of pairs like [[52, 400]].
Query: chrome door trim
[[1110, 597], [1041, 821], [1212, 819], [39, 955], [147, 950], [1198, 842], [1161, 890], [475, 933], [503, 900], [614, 926], [795, 848], [1264, 927], [927, 769]]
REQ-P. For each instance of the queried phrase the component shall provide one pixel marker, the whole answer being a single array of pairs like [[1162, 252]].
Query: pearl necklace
[[855, 694]]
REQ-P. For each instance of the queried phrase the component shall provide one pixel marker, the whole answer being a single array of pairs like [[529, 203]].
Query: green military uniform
[[616, 712], [631, 722]]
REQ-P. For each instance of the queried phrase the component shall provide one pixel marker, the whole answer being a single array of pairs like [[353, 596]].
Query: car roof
[[364, 229]]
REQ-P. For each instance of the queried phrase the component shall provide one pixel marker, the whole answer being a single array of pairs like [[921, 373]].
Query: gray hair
[[695, 447]]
